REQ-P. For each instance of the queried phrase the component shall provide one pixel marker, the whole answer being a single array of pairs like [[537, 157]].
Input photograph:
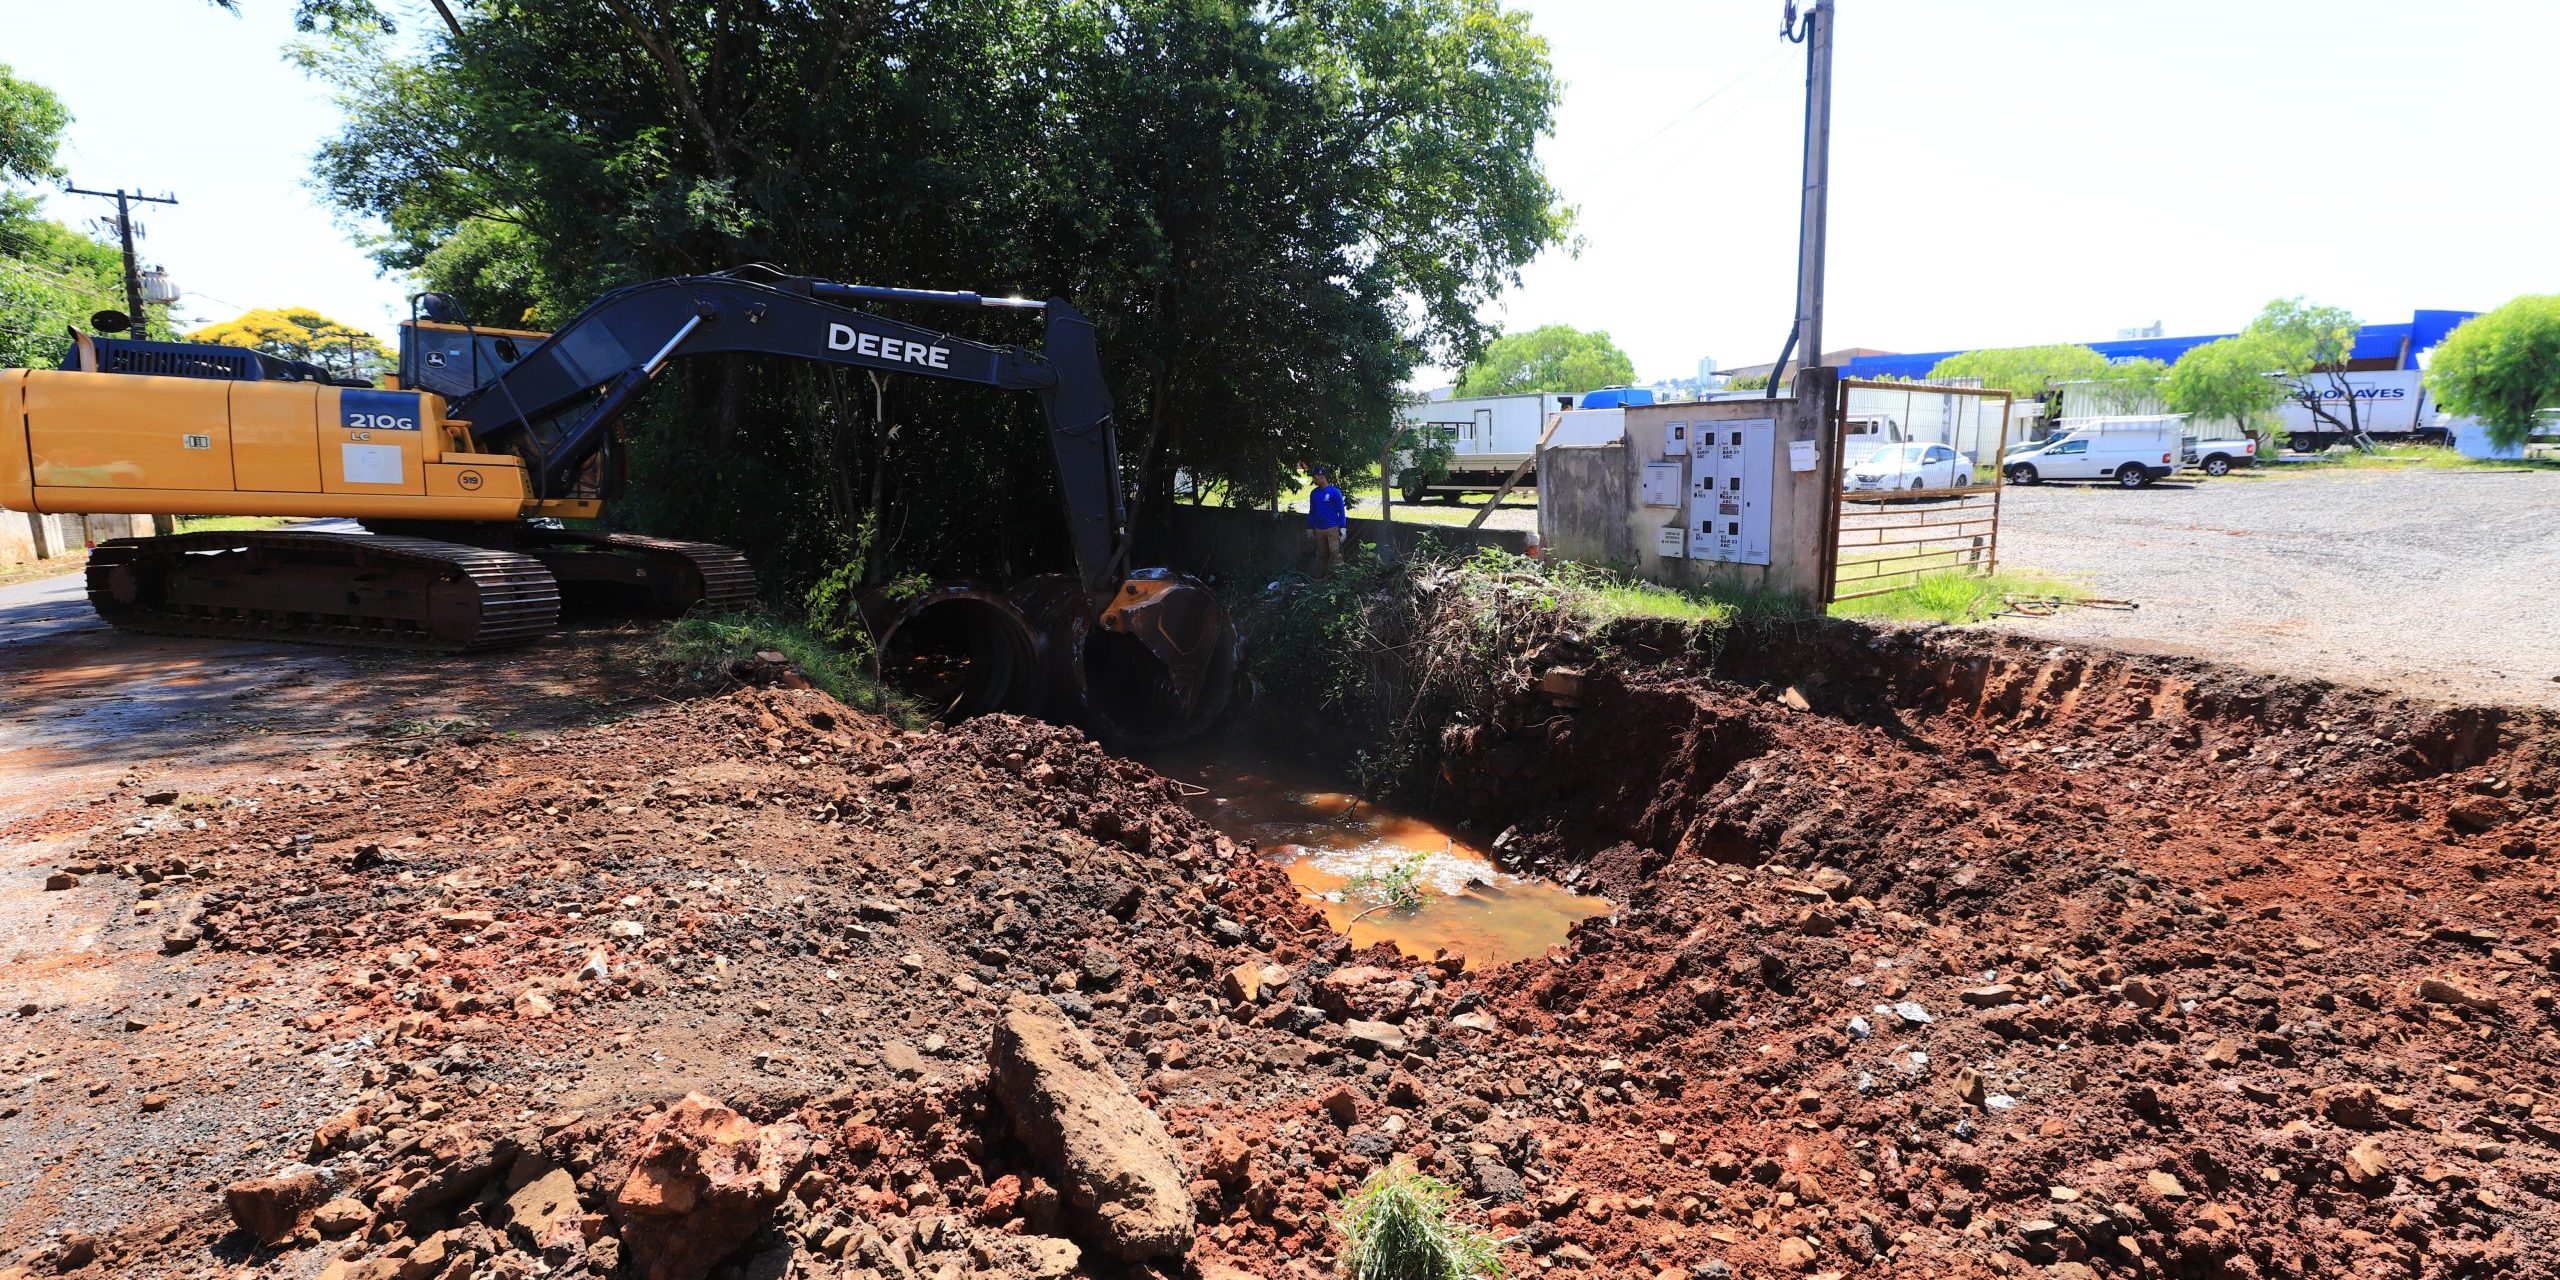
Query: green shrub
[[706, 650], [1398, 1226]]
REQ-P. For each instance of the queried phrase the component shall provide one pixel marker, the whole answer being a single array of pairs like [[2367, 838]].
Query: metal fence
[[1920, 485]]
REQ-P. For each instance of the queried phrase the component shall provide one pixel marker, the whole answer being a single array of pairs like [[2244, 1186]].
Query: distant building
[[2151, 330], [1842, 356], [2379, 347]]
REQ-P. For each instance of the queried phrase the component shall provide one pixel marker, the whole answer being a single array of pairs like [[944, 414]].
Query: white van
[[2132, 451]]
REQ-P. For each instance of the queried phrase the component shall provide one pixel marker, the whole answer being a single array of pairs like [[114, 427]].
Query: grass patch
[[230, 524], [1400, 1226], [717, 651], [2404, 457], [1955, 597]]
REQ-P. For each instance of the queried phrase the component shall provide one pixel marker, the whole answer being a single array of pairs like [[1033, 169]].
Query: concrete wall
[[1583, 497], [1230, 540], [25, 536], [1590, 497]]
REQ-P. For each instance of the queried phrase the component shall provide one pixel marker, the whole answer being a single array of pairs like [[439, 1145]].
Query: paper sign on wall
[[1662, 484], [1672, 543], [1800, 455]]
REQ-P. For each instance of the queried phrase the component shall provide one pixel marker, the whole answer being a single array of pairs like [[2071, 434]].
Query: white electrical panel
[[1675, 439], [1662, 484], [1732, 466], [1672, 543]]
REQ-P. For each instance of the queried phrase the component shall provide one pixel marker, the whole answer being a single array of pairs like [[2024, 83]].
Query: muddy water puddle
[[1343, 852]]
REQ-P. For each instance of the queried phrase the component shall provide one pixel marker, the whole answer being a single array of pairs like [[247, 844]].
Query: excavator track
[[332, 588], [679, 576]]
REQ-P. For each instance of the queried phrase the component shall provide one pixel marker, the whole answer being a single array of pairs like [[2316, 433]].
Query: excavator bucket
[[1154, 665]]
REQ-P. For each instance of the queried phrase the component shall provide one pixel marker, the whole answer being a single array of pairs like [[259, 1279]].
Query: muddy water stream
[[1334, 844]]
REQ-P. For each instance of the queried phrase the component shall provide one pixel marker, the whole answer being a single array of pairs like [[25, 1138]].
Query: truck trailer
[[1486, 438]]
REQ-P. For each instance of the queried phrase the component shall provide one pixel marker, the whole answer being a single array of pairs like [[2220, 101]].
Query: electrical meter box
[[1732, 465]]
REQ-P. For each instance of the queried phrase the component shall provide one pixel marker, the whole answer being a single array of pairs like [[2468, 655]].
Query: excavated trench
[[1962, 951]]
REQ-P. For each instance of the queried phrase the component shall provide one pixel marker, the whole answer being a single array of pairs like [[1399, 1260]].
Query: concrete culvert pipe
[[1154, 665], [957, 649]]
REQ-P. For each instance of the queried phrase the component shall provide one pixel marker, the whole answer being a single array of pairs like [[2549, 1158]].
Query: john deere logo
[[469, 480]]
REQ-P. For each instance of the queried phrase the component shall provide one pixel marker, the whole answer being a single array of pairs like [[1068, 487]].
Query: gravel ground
[[2437, 583]]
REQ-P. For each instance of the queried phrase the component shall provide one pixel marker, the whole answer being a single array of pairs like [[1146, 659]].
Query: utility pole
[[132, 267], [1813, 31]]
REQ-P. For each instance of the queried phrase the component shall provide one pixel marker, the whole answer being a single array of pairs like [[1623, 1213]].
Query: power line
[[1692, 109]]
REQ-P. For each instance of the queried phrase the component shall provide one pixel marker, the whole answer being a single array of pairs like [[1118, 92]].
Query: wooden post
[[1554, 420]]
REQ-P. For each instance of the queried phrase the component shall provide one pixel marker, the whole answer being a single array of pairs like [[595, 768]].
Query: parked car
[[2132, 451], [1912, 465], [2218, 457]]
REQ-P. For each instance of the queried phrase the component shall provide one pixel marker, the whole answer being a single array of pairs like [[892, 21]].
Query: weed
[[707, 650], [1397, 1226], [1396, 886]]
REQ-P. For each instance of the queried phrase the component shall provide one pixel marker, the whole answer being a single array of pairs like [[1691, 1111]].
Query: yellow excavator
[[486, 439]]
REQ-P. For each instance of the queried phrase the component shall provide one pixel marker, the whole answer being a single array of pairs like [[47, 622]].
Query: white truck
[[2131, 450], [1486, 437], [2217, 455]]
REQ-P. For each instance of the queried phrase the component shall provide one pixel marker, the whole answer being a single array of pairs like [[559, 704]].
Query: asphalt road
[[2440, 583]]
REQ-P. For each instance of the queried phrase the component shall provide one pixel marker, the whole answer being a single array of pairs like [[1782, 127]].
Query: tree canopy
[[2024, 371], [51, 277], [300, 333], [2227, 379], [31, 123], [2502, 367], [1555, 357], [1273, 212], [2310, 345]]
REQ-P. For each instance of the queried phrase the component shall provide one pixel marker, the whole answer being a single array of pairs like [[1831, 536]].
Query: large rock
[[1367, 993], [703, 1180], [1125, 1190], [274, 1208]]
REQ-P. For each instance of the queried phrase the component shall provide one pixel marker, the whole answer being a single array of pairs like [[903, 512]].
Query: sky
[[2003, 171]]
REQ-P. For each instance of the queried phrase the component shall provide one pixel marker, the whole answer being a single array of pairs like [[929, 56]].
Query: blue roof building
[[2378, 346]]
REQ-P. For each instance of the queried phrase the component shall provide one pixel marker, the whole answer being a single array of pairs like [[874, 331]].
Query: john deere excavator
[[460, 474]]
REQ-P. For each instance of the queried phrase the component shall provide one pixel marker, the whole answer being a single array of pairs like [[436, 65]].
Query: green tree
[[2026, 372], [31, 123], [51, 277], [1273, 212], [2310, 346], [2227, 379], [1555, 357], [300, 333], [2502, 367]]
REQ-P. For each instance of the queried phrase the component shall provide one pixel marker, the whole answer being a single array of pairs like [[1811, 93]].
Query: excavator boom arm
[[557, 406]]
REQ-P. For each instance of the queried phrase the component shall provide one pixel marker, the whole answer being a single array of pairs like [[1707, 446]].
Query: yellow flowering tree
[[300, 333]]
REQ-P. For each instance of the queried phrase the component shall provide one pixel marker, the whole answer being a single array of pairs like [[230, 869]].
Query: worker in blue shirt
[[1326, 519]]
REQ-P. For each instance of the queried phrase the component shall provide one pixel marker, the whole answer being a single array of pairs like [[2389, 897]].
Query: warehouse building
[[2379, 348]]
